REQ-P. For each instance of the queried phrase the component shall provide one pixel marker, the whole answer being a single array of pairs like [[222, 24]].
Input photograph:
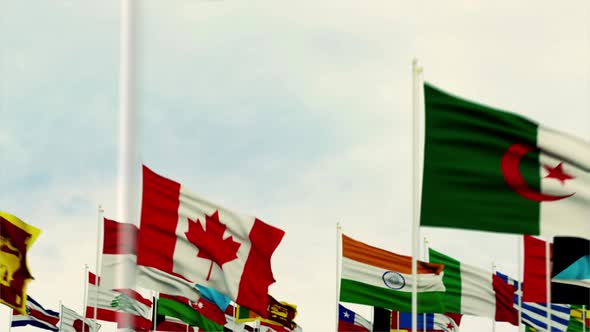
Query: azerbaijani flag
[[379, 278], [490, 170]]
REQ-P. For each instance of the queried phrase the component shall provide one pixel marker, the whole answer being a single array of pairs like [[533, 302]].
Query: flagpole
[[97, 266], [338, 254], [519, 256], [128, 166], [10, 319], [548, 281], [493, 320], [61, 312], [426, 259], [85, 299], [416, 196]]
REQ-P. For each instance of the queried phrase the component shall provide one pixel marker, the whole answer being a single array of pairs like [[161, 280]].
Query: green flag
[[490, 170], [178, 307]]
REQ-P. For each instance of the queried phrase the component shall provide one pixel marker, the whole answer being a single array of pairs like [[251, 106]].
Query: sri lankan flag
[[16, 237]]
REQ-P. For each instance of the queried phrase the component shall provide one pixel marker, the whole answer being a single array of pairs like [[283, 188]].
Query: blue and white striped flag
[[535, 314]]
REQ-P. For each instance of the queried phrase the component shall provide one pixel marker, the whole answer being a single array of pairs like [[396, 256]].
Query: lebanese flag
[[474, 291], [491, 170], [185, 240], [114, 304]]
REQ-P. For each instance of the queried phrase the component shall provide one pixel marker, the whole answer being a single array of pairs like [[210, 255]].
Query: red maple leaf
[[210, 242]]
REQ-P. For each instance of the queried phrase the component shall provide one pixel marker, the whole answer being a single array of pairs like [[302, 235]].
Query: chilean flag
[[37, 316]]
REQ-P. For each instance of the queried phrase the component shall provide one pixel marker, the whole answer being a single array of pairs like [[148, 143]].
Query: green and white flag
[[490, 170]]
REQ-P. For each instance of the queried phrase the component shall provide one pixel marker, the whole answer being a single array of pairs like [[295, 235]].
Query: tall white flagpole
[[85, 299], [338, 254], [416, 103], [493, 320], [128, 168], [97, 266], [548, 281]]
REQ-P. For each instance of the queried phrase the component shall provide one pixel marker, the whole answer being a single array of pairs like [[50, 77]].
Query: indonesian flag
[[491, 170], [112, 304], [185, 240], [72, 322]]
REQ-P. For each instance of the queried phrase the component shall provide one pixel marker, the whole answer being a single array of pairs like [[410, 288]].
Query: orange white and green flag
[[16, 238], [376, 277]]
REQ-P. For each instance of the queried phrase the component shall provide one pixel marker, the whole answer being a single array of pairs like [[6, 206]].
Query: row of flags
[[484, 169], [197, 256], [375, 277]]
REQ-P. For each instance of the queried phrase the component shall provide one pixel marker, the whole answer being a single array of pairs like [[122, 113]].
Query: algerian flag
[[491, 170], [379, 278]]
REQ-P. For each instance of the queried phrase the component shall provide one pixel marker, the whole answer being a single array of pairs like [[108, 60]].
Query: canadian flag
[[186, 240]]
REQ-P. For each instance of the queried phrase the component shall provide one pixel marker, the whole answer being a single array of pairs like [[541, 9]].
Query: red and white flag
[[71, 321], [185, 240], [119, 252], [114, 304]]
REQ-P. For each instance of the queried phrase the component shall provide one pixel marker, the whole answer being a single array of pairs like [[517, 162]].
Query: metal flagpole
[[338, 254], [519, 257], [128, 166], [416, 103], [61, 314], [548, 282], [10, 319], [97, 266], [425, 258], [493, 320], [155, 308], [85, 299]]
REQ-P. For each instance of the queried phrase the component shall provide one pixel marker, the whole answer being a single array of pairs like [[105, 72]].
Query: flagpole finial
[[100, 208]]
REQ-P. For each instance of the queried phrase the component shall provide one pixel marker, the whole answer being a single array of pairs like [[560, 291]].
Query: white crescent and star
[[510, 169]]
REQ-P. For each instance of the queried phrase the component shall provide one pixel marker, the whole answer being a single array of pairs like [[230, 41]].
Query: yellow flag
[[16, 238]]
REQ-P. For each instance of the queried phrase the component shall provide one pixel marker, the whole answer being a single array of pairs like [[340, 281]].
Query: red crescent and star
[[510, 169]]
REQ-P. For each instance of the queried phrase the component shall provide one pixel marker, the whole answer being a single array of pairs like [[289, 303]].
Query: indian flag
[[379, 278], [491, 170]]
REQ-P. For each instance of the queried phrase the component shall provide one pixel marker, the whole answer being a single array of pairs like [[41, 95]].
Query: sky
[[296, 112]]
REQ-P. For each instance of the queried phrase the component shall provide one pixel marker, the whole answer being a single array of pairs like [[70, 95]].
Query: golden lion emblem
[[10, 260]]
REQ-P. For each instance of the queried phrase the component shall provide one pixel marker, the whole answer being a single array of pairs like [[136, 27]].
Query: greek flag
[[535, 314]]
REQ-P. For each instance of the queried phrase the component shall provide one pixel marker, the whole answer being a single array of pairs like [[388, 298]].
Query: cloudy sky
[[296, 112]]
